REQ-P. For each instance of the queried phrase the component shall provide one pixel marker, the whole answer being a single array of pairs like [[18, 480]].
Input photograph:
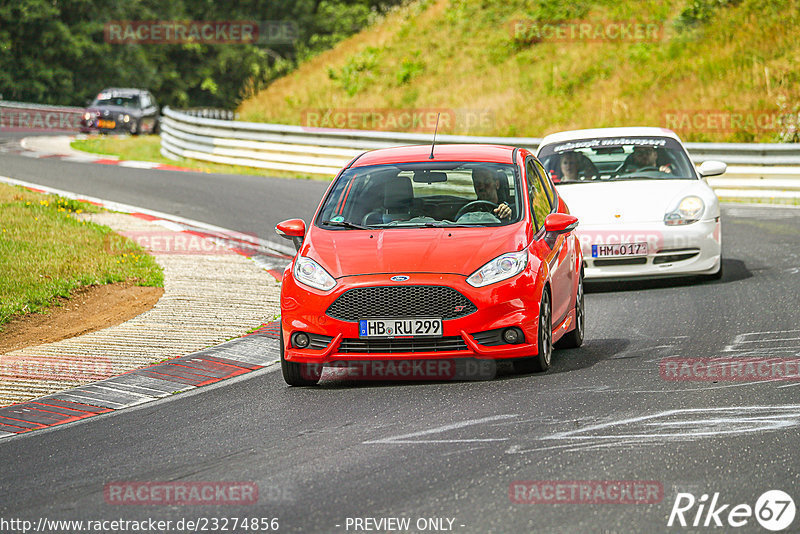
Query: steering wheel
[[373, 217], [641, 169], [476, 205]]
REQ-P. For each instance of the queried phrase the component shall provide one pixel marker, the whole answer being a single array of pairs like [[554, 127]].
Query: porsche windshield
[[616, 158], [423, 195]]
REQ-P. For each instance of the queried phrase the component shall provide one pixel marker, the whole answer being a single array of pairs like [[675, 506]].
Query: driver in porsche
[[647, 157], [487, 186]]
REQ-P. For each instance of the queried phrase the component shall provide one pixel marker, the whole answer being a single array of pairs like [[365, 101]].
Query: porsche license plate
[[106, 124], [623, 249], [401, 327]]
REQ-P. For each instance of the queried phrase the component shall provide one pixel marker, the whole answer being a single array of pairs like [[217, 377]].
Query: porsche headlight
[[126, 118], [312, 274], [500, 268], [688, 211]]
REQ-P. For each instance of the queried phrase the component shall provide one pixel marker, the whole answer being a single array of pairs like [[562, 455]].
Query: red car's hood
[[402, 251]]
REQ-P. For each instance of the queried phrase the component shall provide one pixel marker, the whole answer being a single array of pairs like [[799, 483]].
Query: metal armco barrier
[[325, 151]]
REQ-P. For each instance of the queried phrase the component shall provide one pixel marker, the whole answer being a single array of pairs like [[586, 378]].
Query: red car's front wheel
[[540, 362], [574, 338], [298, 374]]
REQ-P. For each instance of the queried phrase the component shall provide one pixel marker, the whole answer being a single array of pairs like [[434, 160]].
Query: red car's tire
[[540, 362], [298, 374], [574, 338]]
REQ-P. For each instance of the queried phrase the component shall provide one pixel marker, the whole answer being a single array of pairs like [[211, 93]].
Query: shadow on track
[[564, 361], [733, 271]]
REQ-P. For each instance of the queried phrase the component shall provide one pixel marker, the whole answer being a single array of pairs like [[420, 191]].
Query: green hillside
[[713, 70]]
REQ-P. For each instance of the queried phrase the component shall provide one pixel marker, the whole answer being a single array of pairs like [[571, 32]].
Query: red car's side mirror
[[294, 229], [560, 223]]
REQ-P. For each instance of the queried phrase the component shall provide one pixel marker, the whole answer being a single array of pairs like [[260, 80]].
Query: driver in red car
[[487, 187]]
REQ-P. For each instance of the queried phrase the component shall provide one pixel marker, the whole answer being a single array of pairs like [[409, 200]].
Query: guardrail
[[325, 151]]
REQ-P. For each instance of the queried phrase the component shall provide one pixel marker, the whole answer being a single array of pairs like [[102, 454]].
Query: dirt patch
[[90, 308]]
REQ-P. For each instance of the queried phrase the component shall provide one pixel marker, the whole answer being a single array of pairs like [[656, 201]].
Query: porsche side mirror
[[712, 168], [294, 229]]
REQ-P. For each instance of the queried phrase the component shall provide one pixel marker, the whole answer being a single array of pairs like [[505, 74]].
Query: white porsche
[[645, 211]]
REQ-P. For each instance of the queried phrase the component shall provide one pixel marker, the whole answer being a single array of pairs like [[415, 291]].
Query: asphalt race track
[[451, 450]]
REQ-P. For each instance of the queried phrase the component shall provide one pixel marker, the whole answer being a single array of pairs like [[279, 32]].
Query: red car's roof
[[408, 154]]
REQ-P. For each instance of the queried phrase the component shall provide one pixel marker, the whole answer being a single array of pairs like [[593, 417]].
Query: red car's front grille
[[371, 346], [400, 301]]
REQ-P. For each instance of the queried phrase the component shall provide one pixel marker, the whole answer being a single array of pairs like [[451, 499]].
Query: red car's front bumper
[[511, 303]]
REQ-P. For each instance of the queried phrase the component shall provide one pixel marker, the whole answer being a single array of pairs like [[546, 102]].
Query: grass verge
[[148, 148], [47, 251]]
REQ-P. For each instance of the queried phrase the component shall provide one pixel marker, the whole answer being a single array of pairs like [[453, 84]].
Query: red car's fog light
[[513, 336], [300, 340]]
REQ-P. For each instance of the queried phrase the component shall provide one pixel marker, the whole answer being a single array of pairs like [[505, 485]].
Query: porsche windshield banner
[[656, 142]]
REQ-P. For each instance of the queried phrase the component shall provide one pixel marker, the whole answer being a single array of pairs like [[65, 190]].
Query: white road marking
[[404, 438], [769, 343], [779, 418], [672, 391], [712, 422], [569, 447]]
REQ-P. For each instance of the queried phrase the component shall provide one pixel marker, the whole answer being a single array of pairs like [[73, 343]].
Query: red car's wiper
[[345, 224]]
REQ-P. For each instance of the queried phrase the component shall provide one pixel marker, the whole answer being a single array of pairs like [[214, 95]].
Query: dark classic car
[[116, 110]]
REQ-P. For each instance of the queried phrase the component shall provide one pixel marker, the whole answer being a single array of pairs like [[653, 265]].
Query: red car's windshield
[[424, 194]]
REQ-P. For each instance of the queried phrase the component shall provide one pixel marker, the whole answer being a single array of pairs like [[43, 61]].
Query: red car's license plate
[[624, 249], [401, 327]]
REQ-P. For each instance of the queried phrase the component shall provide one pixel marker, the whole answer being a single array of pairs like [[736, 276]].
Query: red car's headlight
[[500, 268], [310, 273]]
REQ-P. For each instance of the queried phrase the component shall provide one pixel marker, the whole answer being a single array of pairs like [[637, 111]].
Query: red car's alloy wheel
[[574, 338], [540, 362]]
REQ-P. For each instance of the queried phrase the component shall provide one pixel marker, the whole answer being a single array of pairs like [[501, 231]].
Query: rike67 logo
[[774, 510]]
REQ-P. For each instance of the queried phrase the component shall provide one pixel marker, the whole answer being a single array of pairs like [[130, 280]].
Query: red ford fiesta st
[[451, 253]]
